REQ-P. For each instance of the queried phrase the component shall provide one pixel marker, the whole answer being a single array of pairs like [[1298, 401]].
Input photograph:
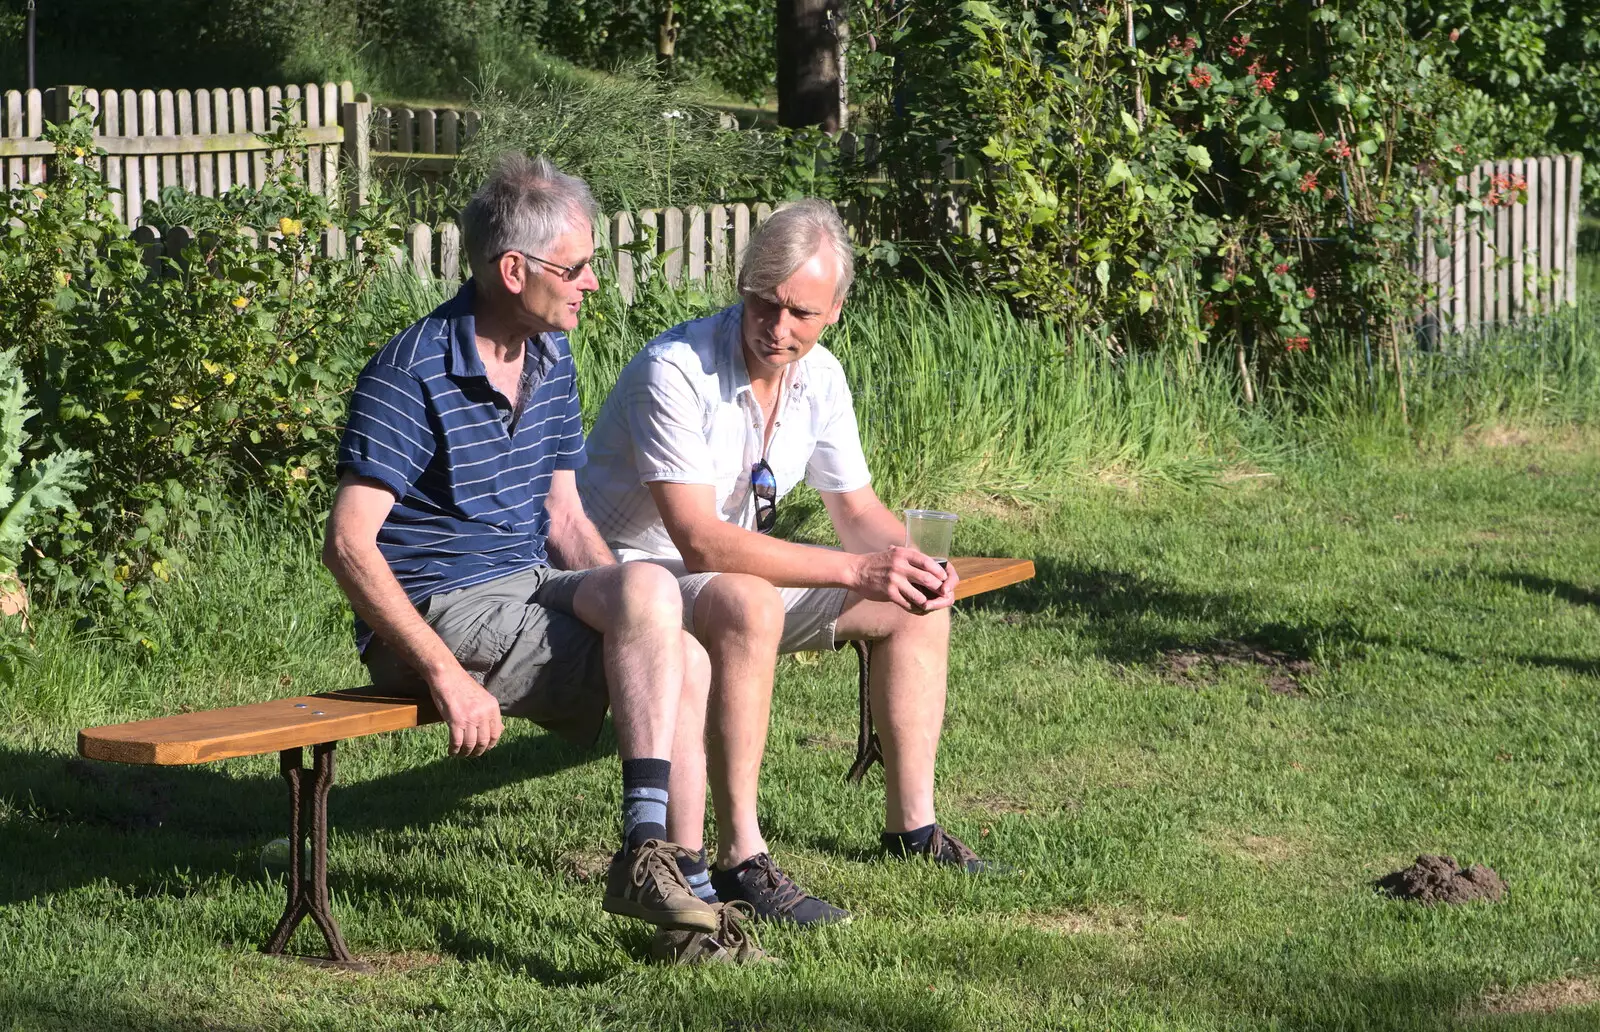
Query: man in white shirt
[[705, 431]]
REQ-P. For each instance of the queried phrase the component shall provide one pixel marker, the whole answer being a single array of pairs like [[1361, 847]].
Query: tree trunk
[[809, 64], [666, 39]]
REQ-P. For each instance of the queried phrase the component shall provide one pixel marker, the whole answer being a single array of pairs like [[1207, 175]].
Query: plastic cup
[[930, 531]]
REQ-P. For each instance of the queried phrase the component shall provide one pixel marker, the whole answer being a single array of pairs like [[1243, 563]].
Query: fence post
[[1574, 210], [62, 99], [358, 147]]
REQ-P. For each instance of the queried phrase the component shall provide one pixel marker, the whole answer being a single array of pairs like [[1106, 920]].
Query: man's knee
[[644, 594], [742, 605]]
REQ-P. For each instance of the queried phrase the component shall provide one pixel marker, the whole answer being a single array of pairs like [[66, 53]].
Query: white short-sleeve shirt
[[683, 412]]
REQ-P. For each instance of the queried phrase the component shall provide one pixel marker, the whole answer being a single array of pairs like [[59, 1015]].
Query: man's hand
[[907, 578], [472, 713]]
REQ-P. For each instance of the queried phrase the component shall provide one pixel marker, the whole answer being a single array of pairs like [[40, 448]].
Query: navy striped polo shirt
[[470, 474]]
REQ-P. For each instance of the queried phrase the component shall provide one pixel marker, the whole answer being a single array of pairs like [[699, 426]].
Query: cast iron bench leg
[[308, 892], [867, 750]]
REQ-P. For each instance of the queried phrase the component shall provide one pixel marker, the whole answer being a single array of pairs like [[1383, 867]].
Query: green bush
[[224, 367]]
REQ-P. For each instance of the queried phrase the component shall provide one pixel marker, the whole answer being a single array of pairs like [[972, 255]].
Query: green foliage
[[32, 491], [1174, 174], [410, 48], [636, 139], [1534, 66], [222, 367]]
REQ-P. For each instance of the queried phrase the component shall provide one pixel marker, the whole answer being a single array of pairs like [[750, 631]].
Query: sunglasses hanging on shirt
[[765, 487]]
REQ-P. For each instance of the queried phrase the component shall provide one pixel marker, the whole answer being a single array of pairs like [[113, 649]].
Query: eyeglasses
[[765, 487], [567, 272]]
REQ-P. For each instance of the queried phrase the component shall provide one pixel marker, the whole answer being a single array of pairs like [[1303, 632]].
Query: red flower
[[1237, 47], [1266, 82], [1455, 34], [1308, 182], [1297, 344], [1311, 292], [1186, 45], [1281, 268], [1340, 150], [1208, 314], [1201, 77]]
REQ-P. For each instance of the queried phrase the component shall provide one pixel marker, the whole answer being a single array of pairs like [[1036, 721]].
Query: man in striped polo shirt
[[456, 489]]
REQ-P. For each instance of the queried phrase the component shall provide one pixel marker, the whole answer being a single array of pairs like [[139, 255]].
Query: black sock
[[644, 800], [698, 876], [905, 843]]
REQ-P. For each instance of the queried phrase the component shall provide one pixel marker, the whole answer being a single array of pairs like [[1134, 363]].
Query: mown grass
[[1194, 853]]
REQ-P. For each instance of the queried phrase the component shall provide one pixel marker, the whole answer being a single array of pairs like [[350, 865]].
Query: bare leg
[[910, 663], [686, 804], [740, 619], [639, 610]]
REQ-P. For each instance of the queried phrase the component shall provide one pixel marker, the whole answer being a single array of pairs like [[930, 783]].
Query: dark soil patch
[[1439, 879], [1204, 665]]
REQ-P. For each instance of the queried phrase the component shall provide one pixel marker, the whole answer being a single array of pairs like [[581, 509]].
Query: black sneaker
[[944, 848], [773, 895]]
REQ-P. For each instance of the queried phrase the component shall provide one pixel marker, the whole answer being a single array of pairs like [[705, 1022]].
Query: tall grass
[[958, 395]]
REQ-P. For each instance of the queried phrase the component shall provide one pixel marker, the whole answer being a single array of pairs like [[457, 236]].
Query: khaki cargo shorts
[[517, 637]]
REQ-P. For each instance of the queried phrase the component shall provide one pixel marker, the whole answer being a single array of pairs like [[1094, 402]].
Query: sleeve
[[387, 437], [570, 453], [666, 421], [837, 462]]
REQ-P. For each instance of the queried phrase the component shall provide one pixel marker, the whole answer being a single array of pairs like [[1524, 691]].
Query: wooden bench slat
[[261, 727], [265, 727], [979, 575]]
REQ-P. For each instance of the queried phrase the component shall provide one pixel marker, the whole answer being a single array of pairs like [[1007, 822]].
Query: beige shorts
[[810, 615]]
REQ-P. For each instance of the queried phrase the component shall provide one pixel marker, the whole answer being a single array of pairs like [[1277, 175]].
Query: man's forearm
[[378, 599], [726, 548], [575, 544]]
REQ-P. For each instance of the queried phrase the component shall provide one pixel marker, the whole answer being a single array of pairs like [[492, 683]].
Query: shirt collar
[[462, 360]]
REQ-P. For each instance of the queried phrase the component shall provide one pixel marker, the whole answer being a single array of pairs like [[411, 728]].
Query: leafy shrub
[[32, 491], [222, 367]]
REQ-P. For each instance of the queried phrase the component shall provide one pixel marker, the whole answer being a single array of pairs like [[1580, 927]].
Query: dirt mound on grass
[[1204, 664], [1439, 879]]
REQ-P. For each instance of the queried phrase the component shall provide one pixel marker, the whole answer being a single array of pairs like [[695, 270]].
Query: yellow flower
[[291, 358], [179, 401], [133, 396], [78, 152], [298, 473], [241, 302], [284, 427], [289, 227], [228, 378], [209, 366]]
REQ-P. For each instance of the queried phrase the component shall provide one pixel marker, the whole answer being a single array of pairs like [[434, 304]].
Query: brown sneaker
[[647, 884], [733, 943]]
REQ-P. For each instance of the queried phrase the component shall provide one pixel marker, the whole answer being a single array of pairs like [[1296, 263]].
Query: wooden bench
[[289, 726]]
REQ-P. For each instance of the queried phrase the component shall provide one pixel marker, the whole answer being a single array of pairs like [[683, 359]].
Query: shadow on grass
[[1131, 618], [1564, 590], [157, 829]]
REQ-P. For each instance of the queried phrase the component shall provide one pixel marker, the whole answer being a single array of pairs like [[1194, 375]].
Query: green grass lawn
[[1196, 851]]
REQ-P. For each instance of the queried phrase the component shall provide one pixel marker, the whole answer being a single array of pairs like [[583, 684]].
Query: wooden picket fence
[[208, 141], [1519, 258], [693, 246]]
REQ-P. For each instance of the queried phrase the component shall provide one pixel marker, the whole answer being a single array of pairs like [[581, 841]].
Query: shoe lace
[[659, 860], [945, 846], [733, 925], [786, 894]]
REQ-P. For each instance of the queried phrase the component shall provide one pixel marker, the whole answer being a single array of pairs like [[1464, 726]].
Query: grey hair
[[524, 205], [788, 239]]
